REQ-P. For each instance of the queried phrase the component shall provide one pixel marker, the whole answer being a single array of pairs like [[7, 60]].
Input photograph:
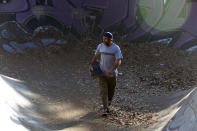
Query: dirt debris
[[148, 70]]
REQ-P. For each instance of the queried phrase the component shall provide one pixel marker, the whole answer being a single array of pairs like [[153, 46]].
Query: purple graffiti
[[14, 6], [112, 15], [134, 19]]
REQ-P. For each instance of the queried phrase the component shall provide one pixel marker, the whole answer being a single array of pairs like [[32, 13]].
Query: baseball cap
[[108, 35]]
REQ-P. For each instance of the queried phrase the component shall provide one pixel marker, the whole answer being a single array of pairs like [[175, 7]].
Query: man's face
[[107, 40]]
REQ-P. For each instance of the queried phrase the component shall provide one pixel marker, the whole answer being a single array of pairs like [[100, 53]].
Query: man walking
[[110, 58]]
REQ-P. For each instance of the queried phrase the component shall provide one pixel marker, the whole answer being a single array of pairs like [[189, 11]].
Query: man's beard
[[107, 43]]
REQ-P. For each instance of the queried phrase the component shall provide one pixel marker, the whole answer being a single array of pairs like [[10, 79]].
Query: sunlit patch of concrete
[[65, 111], [9, 94], [13, 98], [8, 99], [78, 128], [7, 120], [20, 108]]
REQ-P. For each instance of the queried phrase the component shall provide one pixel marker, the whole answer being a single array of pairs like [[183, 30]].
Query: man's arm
[[96, 54], [117, 63], [118, 56], [94, 59]]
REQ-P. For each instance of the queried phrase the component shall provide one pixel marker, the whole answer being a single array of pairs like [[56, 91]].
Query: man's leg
[[103, 91], [111, 88]]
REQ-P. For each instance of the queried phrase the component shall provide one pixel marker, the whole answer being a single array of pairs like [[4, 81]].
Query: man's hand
[[117, 63], [90, 68], [109, 73]]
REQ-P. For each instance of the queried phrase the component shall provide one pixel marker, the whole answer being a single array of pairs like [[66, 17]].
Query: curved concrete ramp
[[24, 109], [9, 100], [186, 117], [180, 116], [18, 110]]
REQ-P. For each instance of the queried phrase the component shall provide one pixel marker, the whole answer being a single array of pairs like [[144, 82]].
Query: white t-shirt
[[108, 57]]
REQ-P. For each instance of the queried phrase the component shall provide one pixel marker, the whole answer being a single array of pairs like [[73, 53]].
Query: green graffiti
[[174, 16], [141, 14], [150, 11]]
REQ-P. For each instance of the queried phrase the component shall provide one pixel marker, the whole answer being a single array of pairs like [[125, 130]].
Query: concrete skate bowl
[[169, 22], [42, 96]]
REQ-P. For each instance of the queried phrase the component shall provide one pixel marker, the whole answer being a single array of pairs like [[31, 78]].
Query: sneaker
[[106, 112]]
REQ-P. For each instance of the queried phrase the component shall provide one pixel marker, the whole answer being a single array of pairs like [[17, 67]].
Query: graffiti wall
[[172, 22]]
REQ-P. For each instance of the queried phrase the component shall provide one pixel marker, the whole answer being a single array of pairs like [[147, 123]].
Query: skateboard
[[96, 70]]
